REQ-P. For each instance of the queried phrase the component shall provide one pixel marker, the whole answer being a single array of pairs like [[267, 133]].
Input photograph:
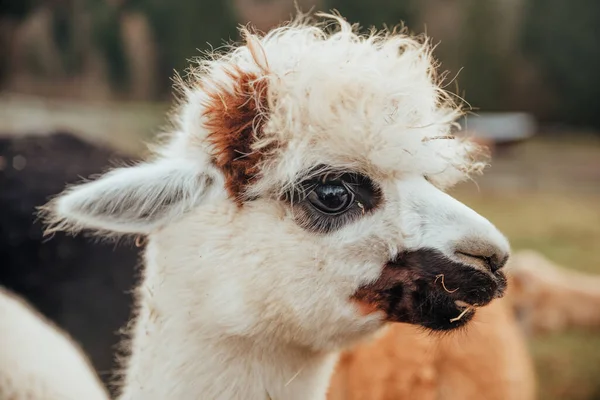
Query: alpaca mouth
[[426, 288]]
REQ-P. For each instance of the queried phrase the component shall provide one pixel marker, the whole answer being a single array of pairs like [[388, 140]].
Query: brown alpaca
[[549, 298], [489, 360]]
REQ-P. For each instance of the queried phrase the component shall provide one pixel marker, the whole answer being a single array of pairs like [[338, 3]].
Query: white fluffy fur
[[374, 101], [39, 361], [241, 302]]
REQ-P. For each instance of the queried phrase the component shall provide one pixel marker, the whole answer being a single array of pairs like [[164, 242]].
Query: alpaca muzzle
[[426, 288]]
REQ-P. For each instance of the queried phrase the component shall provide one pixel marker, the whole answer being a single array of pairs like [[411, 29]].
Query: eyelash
[[323, 223], [366, 197]]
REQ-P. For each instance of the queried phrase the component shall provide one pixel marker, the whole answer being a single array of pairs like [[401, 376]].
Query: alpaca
[[38, 360], [297, 207]]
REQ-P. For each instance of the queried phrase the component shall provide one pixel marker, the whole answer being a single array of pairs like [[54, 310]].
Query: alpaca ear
[[133, 200]]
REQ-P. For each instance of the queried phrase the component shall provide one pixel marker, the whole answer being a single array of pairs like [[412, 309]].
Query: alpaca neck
[[174, 356], [169, 364]]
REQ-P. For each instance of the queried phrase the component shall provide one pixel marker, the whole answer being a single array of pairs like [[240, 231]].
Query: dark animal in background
[[81, 284]]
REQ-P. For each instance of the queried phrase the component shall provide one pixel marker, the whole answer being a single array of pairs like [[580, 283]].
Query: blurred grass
[[564, 226], [568, 366]]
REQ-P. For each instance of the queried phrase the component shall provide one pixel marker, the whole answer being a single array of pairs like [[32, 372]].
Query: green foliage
[[106, 35], [560, 37], [181, 29], [375, 12], [16, 8], [563, 38], [482, 80]]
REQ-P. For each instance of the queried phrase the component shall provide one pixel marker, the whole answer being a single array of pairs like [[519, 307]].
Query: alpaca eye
[[331, 198]]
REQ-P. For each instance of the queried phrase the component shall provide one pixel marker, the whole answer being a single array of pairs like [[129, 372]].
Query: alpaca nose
[[445, 224], [481, 254]]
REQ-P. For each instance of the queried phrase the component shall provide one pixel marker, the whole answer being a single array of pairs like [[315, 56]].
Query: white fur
[[241, 302], [38, 360]]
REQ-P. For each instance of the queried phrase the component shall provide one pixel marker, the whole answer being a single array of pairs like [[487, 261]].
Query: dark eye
[[331, 198]]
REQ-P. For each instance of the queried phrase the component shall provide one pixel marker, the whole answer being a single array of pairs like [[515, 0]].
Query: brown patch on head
[[235, 119]]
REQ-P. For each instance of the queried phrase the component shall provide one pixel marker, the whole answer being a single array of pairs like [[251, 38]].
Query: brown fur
[[488, 360], [235, 119], [550, 298]]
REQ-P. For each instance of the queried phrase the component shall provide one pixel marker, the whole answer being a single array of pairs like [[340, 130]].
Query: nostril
[[483, 254], [492, 262], [495, 263]]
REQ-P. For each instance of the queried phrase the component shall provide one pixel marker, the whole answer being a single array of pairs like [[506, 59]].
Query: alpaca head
[[301, 195]]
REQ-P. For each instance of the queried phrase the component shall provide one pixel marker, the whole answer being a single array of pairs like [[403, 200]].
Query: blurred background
[[101, 70]]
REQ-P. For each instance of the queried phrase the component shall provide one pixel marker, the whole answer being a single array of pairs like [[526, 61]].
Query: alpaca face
[[301, 195]]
